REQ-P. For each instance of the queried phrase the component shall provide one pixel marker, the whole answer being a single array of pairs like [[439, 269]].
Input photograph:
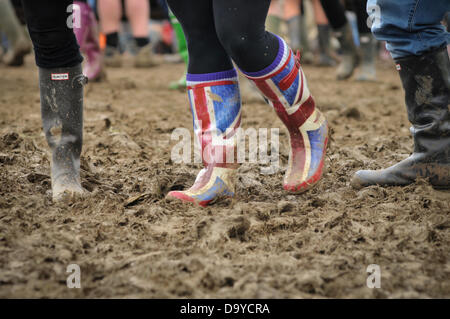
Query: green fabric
[[179, 84]]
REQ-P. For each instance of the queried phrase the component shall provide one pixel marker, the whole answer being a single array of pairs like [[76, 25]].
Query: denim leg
[[410, 27]]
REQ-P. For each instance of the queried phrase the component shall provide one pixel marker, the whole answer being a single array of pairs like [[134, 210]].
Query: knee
[[236, 43], [55, 48]]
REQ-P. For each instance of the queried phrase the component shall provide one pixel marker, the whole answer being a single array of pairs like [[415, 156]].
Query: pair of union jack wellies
[[216, 109]]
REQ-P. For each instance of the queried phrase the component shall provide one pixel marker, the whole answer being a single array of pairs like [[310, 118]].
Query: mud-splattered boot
[[62, 120], [426, 80], [368, 47], [350, 57], [305, 49], [325, 58], [216, 109], [18, 40], [144, 58], [293, 26], [284, 86], [87, 38], [112, 57]]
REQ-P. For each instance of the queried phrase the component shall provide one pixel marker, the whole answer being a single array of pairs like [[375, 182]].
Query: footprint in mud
[[11, 140], [239, 228]]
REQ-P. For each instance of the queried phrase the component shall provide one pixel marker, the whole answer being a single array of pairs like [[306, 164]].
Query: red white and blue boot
[[283, 84], [216, 109]]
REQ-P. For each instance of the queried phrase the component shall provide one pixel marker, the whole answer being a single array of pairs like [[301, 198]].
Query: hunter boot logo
[[60, 76]]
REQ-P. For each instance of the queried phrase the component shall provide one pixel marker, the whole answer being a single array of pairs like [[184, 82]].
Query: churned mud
[[130, 242]]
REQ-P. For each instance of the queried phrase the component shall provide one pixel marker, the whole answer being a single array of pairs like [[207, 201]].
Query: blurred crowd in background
[[330, 33]]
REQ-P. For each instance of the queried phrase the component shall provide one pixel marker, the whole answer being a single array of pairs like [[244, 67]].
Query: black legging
[[335, 12], [216, 30], [54, 42], [359, 8]]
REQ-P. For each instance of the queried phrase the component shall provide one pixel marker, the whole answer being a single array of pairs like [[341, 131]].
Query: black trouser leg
[[61, 85], [359, 7], [219, 29], [241, 29], [54, 42], [206, 53], [335, 12]]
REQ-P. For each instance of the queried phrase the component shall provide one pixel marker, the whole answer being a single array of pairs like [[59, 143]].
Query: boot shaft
[[294, 28], [426, 81], [286, 89], [62, 120], [216, 110], [345, 38], [324, 38], [61, 92], [368, 46]]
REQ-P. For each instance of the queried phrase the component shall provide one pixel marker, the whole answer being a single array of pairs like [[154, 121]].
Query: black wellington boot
[[62, 120], [426, 80], [350, 57]]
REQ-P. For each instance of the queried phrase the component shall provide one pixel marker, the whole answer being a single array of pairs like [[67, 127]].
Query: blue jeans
[[410, 27]]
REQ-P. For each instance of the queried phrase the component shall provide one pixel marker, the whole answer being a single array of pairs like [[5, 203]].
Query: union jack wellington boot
[[283, 85], [216, 109]]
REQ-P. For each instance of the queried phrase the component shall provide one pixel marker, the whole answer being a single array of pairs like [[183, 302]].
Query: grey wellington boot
[[307, 56], [350, 58], [19, 42], [62, 120], [325, 58], [426, 80], [367, 71], [293, 25]]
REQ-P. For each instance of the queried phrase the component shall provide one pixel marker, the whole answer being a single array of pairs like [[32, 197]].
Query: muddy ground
[[130, 242]]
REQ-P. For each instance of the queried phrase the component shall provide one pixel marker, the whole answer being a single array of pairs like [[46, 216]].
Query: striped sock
[[196, 79]]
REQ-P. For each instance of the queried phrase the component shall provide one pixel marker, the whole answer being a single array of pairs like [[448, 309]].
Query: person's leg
[[138, 13], [110, 12], [61, 85], [368, 43], [18, 42], [447, 23], [275, 16], [335, 13], [324, 35], [307, 54], [292, 17], [245, 39], [267, 60], [214, 96], [417, 42], [410, 27]]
